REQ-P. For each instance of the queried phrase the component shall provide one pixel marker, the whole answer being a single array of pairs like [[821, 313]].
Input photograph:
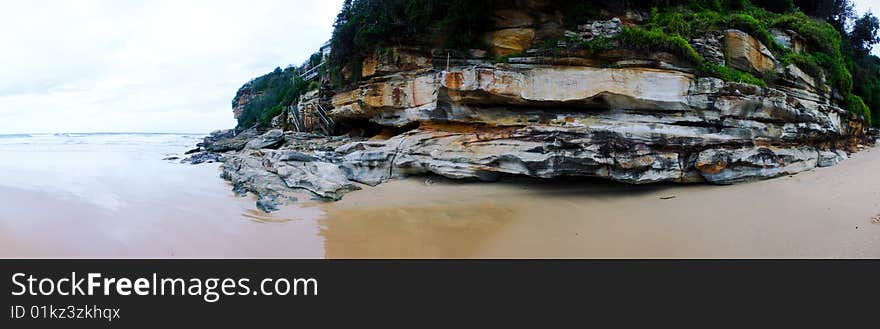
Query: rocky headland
[[632, 116]]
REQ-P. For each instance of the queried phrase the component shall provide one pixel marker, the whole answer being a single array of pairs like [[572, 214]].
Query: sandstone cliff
[[630, 116]]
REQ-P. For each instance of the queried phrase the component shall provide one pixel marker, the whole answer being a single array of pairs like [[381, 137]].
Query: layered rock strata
[[634, 120]]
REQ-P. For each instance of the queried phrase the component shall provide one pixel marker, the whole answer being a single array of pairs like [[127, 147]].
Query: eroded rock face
[[585, 86], [789, 39], [600, 29], [747, 53], [393, 61], [710, 47], [382, 101], [636, 120], [510, 41], [244, 95], [727, 166]]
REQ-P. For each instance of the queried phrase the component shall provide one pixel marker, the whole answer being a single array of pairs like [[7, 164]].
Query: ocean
[[113, 195]]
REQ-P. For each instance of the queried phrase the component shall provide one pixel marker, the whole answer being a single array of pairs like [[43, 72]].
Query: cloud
[[152, 66]]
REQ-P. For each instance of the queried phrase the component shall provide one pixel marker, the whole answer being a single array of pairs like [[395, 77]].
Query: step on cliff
[[632, 119]]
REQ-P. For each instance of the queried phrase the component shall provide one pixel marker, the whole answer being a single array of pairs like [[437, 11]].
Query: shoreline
[[192, 213]]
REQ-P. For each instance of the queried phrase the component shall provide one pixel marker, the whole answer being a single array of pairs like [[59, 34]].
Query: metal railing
[[312, 73], [325, 119], [297, 118]]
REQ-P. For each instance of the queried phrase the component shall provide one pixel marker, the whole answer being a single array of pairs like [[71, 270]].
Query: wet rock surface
[[202, 157]]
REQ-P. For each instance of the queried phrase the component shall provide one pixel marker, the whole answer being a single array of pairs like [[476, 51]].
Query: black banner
[[129, 293]]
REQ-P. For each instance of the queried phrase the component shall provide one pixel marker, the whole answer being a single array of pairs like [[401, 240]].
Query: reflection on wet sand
[[453, 219], [261, 217], [452, 231]]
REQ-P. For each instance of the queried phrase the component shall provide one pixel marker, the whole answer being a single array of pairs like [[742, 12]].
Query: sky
[[150, 66], [144, 66], [863, 6]]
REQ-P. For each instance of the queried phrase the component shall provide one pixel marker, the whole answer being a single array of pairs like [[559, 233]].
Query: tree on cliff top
[[272, 93], [864, 34]]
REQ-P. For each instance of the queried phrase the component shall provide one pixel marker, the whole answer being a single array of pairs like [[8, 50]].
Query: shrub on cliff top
[[728, 74], [656, 39], [828, 54], [855, 104], [366, 25]]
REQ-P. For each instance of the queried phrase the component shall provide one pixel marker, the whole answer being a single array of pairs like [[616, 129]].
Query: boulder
[[512, 18], [271, 139], [727, 166], [634, 16], [746, 53], [267, 204], [225, 141], [202, 157], [394, 60], [287, 155], [600, 29], [789, 39], [324, 179], [247, 173], [279, 121], [797, 77], [508, 42], [709, 46], [831, 158]]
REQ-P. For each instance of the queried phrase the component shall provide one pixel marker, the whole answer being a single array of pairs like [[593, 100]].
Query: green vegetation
[[366, 25], [728, 74], [856, 105], [363, 26], [272, 93], [657, 39], [839, 55]]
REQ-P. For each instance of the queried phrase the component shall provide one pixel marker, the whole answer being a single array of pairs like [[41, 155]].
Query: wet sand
[[824, 213], [114, 196], [125, 202], [197, 224]]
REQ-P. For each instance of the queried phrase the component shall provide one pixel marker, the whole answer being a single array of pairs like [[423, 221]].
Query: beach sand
[[156, 209], [824, 213]]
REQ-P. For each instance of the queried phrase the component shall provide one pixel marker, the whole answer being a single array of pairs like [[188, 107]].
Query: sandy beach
[[123, 201], [824, 213]]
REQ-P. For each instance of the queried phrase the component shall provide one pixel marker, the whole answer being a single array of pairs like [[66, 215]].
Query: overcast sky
[[149, 66], [144, 66]]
